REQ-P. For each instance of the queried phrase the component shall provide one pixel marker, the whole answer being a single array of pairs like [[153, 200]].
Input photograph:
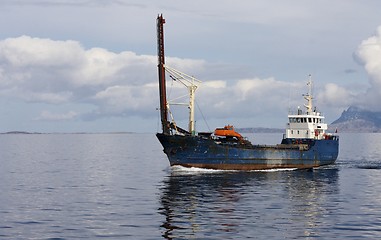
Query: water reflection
[[246, 204], [311, 195]]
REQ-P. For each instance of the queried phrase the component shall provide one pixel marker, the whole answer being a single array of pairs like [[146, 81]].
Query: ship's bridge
[[306, 125]]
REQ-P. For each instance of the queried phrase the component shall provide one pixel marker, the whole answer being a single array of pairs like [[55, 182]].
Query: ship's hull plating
[[195, 151]]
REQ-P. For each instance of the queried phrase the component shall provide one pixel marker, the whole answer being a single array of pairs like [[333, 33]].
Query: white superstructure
[[306, 124]]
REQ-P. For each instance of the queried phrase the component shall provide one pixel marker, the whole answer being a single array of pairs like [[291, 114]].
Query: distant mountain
[[355, 119], [17, 132]]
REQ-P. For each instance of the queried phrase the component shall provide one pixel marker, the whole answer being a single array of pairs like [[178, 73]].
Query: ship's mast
[[192, 90], [161, 72], [188, 81], [308, 96]]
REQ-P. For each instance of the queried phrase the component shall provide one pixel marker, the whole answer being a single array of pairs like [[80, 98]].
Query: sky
[[91, 66]]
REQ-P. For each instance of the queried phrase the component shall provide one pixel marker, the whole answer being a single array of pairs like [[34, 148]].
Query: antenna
[[308, 96]]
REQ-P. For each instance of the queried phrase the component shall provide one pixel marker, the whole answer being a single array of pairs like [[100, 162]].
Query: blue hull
[[203, 152]]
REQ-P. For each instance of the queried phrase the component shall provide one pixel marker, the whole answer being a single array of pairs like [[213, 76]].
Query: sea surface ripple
[[119, 186]]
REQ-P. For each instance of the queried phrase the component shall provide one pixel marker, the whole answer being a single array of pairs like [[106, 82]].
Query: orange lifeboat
[[227, 131]]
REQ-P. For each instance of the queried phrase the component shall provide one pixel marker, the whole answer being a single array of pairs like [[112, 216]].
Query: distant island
[[19, 132], [24, 132], [259, 130], [355, 119]]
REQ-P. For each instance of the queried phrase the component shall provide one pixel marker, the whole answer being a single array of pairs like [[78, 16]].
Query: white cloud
[[369, 52], [243, 45], [369, 55], [26, 51], [248, 98], [260, 88], [53, 98], [57, 72], [335, 96], [127, 100], [217, 84], [49, 71], [49, 116], [123, 84]]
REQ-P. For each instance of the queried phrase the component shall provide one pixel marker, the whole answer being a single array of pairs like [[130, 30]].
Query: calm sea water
[[119, 186]]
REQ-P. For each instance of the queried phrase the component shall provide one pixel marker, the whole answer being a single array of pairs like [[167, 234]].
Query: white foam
[[195, 170], [275, 170]]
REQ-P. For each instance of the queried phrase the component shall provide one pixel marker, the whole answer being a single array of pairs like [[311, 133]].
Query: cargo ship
[[305, 143]]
